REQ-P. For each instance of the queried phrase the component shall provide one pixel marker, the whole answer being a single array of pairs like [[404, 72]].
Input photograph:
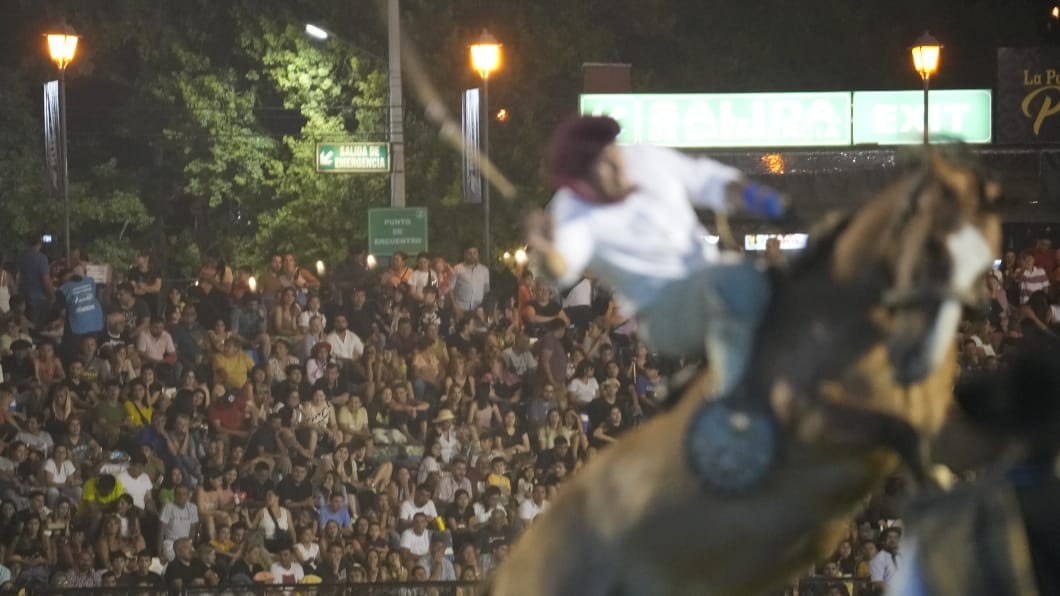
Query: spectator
[[146, 282], [232, 367], [1031, 278], [530, 508], [471, 283], [178, 519], [286, 570], [182, 572], [34, 280], [886, 562], [84, 576], [416, 539], [249, 326]]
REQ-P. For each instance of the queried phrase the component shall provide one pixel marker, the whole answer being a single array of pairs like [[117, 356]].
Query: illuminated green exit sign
[[897, 117], [727, 120]]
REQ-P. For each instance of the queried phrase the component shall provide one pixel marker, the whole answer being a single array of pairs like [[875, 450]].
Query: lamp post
[[62, 46], [926, 52], [486, 58], [396, 116]]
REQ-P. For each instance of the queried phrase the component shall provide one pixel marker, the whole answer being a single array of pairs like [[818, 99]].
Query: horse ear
[[959, 180], [991, 190]]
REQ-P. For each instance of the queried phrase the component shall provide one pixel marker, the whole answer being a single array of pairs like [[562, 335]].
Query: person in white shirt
[[535, 505], [627, 214], [136, 483], [416, 540], [884, 565], [157, 344], [287, 570], [61, 476], [345, 345], [419, 503], [471, 282]]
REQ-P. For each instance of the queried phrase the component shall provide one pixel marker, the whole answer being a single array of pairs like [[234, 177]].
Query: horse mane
[[822, 241]]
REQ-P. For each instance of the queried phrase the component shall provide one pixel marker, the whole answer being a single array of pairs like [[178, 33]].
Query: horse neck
[[814, 316]]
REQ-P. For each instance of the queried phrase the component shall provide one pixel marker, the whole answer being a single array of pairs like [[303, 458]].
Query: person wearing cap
[[446, 434], [627, 214]]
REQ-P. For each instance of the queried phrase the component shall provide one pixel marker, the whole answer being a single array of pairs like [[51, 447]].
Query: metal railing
[[455, 588]]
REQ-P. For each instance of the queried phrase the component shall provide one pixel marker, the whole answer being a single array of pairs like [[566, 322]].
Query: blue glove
[[763, 201]]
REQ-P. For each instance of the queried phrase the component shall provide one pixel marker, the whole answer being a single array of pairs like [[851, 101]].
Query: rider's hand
[[543, 254]]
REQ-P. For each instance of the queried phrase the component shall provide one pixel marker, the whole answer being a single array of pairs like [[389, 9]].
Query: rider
[[627, 214]]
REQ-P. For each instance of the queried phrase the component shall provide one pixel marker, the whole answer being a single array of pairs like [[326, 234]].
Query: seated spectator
[[420, 502], [609, 430], [437, 567], [61, 476], [83, 576], [232, 367], [249, 326], [535, 505], [286, 570], [178, 519], [37, 439], [416, 539], [182, 572], [276, 522]]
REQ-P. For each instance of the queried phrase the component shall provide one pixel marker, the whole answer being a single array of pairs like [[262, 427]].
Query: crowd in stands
[[392, 424], [401, 423]]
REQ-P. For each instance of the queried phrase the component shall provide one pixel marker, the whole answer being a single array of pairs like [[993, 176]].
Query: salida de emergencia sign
[[727, 120], [353, 158]]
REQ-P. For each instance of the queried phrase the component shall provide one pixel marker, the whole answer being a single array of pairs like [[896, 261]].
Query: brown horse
[[853, 372]]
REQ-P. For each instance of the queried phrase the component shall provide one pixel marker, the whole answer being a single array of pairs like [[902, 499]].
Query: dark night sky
[[807, 45]]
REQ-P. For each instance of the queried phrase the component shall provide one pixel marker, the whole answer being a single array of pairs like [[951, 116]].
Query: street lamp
[[316, 32], [926, 52], [62, 46], [486, 58]]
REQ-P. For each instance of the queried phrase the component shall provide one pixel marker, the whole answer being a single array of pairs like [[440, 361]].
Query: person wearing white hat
[[627, 214]]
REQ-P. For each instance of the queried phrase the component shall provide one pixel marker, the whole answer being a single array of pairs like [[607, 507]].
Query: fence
[[457, 588], [816, 586]]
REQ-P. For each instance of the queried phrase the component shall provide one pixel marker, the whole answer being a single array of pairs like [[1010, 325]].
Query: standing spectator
[[146, 282], [471, 282], [886, 562], [272, 282], [552, 355], [84, 313], [35, 282], [1032, 278]]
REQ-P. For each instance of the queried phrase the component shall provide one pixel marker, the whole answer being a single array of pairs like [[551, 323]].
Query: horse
[[852, 373]]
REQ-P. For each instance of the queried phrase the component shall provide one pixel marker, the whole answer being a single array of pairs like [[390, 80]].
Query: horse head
[[924, 242]]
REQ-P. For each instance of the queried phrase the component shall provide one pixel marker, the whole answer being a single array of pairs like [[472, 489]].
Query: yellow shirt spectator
[[233, 365]]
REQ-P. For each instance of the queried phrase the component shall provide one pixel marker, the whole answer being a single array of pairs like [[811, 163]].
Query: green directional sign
[[897, 117], [391, 230], [727, 120], [353, 158]]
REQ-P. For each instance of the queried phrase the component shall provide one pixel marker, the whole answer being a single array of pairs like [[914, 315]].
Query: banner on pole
[[51, 135], [469, 125]]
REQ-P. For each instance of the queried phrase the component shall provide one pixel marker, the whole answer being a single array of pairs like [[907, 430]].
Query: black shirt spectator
[[292, 489], [256, 485]]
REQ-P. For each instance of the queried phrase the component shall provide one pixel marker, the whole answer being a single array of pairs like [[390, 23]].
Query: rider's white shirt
[[653, 237]]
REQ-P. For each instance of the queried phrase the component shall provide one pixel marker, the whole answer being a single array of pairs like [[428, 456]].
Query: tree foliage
[[194, 124]]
